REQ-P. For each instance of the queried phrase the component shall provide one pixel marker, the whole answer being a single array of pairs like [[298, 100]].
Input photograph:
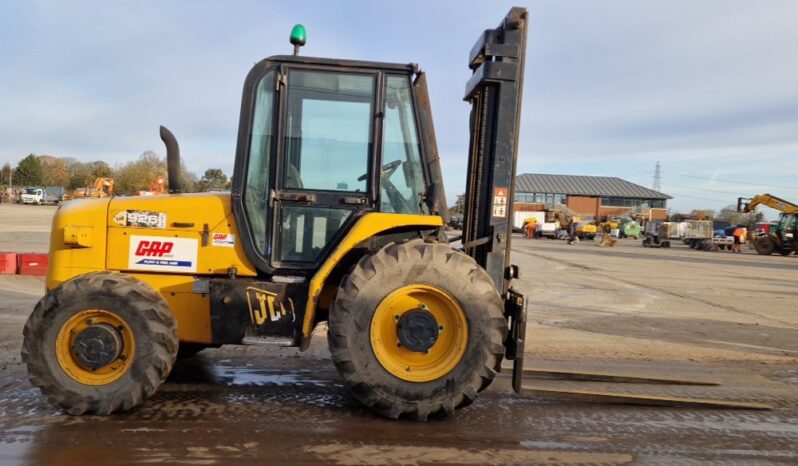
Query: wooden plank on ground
[[612, 377], [646, 400]]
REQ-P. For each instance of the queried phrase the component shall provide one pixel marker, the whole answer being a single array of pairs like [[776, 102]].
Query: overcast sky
[[707, 88]]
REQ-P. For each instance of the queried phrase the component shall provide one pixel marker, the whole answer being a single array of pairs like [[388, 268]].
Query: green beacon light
[[298, 37]]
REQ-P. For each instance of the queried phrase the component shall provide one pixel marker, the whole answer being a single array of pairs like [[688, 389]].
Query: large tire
[[362, 294], [764, 246], [785, 252], [141, 312]]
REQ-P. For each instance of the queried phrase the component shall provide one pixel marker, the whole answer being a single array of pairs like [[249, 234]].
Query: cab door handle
[[296, 197], [353, 200]]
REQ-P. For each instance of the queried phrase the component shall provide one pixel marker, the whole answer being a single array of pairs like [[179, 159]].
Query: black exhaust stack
[[172, 160]]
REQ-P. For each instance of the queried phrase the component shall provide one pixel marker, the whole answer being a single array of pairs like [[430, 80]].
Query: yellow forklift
[[336, 214]]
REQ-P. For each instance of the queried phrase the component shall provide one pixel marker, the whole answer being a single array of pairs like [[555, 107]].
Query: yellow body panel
[[66, 260], [368, 226], [192, 311], [187, 216]]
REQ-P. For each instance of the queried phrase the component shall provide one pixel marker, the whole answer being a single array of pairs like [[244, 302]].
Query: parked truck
[[31, 196], [698, 234], [53, 195]]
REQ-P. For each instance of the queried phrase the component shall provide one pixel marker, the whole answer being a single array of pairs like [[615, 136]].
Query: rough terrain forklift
[[335, 215]]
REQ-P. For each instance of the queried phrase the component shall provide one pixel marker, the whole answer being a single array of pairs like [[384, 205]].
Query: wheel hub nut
[[417, 330], [97, 346]]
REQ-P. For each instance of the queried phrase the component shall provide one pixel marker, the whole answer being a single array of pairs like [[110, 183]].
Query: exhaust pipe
[[172, 160]]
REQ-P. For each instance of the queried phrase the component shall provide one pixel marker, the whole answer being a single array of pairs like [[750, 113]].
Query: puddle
[[250, 376]]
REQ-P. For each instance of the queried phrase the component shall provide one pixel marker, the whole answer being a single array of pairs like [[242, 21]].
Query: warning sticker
[[163, 254], [224, 240], [500, 202]]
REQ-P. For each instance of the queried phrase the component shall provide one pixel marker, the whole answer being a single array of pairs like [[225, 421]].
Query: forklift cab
[[785, 230], [322, 142]]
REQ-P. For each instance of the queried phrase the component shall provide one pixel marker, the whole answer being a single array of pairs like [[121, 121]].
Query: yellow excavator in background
[[102, 187], [780, 238]]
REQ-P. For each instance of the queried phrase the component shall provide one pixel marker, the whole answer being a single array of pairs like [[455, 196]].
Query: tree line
[[129, 178]]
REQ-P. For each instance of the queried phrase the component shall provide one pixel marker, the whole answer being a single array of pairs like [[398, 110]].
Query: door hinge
[[282, 80]]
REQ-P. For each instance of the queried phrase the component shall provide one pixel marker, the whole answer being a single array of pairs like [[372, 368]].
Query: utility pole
[[657, 178]]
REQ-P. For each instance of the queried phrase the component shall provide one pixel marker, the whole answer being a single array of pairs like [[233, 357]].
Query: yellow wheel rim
[[71, 364], [442, 356]]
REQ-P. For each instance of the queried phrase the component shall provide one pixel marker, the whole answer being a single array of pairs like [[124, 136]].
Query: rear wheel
[[100, 343], [417, 329], [764, 246]]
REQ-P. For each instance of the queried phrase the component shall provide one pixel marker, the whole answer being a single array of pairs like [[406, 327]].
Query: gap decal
[[163, 254], [223, 240]]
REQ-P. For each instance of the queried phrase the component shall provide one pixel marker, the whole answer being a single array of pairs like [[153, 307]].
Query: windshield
[[31, 191]]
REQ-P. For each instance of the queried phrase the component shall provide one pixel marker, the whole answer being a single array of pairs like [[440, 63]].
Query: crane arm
[[777, 203]]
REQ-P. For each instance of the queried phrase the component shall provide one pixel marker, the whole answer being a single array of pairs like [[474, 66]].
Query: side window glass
[[402, 177], [328, 130], [256, 190], [306, 231]]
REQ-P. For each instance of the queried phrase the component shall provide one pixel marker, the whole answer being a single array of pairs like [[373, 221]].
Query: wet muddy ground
[[696, 315]]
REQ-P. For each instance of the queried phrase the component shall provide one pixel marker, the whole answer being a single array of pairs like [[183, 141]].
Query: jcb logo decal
[[263, 306]]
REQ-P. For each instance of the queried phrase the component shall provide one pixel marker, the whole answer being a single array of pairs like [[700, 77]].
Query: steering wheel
[[398, 201], [387, 170]]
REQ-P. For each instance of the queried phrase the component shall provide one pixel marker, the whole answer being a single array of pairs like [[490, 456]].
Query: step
[[263, 340]]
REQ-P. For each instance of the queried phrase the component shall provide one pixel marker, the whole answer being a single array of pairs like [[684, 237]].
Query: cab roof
[[405, 67]]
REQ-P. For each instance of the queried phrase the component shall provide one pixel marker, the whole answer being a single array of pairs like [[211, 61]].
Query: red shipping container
[[8, 263], [32, 264]]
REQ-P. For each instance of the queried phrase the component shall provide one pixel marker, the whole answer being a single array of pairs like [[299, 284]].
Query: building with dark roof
[[590, 196]]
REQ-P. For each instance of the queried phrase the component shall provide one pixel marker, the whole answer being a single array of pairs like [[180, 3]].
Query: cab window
[[256, 190], [328, 138], [402, 176]]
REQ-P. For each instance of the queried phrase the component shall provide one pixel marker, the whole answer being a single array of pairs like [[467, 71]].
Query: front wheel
[[417, 329], [100, 343]]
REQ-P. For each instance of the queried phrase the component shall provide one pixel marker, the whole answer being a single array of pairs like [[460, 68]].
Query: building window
[[550, 200], [632, 203], [523, 197]]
